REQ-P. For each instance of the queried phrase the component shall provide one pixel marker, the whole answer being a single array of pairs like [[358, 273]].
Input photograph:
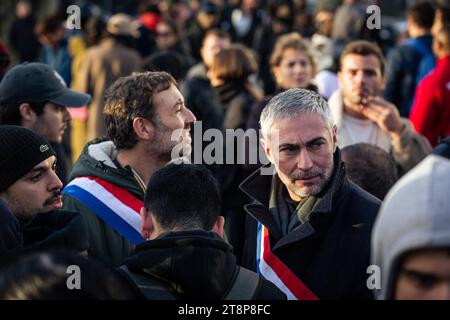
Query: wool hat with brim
[[20, 151], [35, 83]]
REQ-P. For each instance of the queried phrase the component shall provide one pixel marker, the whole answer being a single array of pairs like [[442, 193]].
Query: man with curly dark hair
[[147, 125]]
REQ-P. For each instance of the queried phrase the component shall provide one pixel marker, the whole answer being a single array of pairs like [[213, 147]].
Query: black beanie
[[20, 151]]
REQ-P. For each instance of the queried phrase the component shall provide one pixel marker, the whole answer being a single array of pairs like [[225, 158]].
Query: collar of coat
[[258, 187]]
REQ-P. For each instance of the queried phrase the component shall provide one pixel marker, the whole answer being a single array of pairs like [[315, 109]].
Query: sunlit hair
[[294, 102]]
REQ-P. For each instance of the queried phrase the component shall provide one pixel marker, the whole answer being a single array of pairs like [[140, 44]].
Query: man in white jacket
[[362, 115]]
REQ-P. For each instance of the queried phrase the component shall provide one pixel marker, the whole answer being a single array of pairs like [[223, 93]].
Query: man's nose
[[189, 117], [443, 292], [66, 115], [304, 161], [54, 183]]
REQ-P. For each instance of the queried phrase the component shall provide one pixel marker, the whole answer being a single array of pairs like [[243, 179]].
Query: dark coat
[[56, 229], [401, 74], [331, 252], [194, 265]]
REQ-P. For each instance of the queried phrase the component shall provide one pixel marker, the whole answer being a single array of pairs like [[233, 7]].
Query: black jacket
[[331, 252], [194, 265], [56, 229], [11, 237], [401, 73]]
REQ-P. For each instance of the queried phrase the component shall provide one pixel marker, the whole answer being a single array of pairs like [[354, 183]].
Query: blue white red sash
[[274, 270], [114, 205]]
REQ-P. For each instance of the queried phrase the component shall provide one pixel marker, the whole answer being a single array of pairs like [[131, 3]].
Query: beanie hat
[[20, 151]]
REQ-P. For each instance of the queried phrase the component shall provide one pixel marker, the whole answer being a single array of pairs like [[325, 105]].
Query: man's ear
[[147, 225], [143, 128], [218, 226], [276, 74], [334, 137], [267, 149], [27, 114]]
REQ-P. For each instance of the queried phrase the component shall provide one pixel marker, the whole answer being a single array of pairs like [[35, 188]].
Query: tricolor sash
[[274, 270], [111, 203]]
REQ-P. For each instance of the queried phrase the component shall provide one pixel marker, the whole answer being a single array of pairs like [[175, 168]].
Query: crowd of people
[[98, 130]]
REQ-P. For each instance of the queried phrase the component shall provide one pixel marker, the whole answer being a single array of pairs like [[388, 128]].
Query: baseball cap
[[37, 82]]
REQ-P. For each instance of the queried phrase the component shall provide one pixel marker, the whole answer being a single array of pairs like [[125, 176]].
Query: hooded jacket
[[97, 160], [329, 253], [193, 265], [407, 223]]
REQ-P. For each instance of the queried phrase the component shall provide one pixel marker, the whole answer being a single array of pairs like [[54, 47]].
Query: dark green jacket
[[96, 160]]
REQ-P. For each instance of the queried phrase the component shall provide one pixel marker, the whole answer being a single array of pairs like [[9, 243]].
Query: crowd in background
[[230, 58]]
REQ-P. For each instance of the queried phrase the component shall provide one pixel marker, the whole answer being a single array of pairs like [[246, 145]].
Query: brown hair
[[131, 97], [422, 14], [363, 48], [217, 33], [294, 41], [48, 25], [236, 63]]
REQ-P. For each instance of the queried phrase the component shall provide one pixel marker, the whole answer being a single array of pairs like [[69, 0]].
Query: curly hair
[[131, 97]]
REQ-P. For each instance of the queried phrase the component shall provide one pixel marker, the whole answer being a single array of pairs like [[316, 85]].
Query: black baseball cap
[[37, 82]]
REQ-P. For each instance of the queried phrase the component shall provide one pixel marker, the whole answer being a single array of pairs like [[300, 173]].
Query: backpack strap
[[149, 287], [245, 285]]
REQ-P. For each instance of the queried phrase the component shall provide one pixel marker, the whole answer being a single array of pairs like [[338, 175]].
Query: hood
[[97, 160], [194, 264], [407, 222]]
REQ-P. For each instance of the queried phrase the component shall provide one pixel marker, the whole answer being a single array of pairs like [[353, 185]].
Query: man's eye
[[288, 150], [426, 282], [36, 177], [316, 145], [54, 167]]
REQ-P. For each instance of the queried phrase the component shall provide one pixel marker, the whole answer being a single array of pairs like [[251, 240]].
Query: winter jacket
[[193, 265], [104, 64], [430, 114], [97, 160], [401, 74], [56, 229], [330, 252]]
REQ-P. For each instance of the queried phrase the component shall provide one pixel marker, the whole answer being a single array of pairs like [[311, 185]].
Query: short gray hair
[[294, 102]]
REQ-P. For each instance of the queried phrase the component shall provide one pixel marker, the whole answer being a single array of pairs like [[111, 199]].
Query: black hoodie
[[194, 265], [48, 230]]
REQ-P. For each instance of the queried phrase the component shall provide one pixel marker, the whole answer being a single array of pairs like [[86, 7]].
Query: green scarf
[[288, 214]]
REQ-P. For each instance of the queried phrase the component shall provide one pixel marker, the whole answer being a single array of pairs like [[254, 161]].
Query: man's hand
[[384, 114]]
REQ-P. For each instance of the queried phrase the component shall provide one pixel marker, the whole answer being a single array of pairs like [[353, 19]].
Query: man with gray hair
[[308, 229]]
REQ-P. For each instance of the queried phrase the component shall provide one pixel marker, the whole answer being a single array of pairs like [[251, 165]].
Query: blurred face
[[38, 191], [172, 124], [206, 20], [23, 9], [304, 161], [425, 275], [52, 122], [165, 36], [359, 78], [212, 46], [294, 71]]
